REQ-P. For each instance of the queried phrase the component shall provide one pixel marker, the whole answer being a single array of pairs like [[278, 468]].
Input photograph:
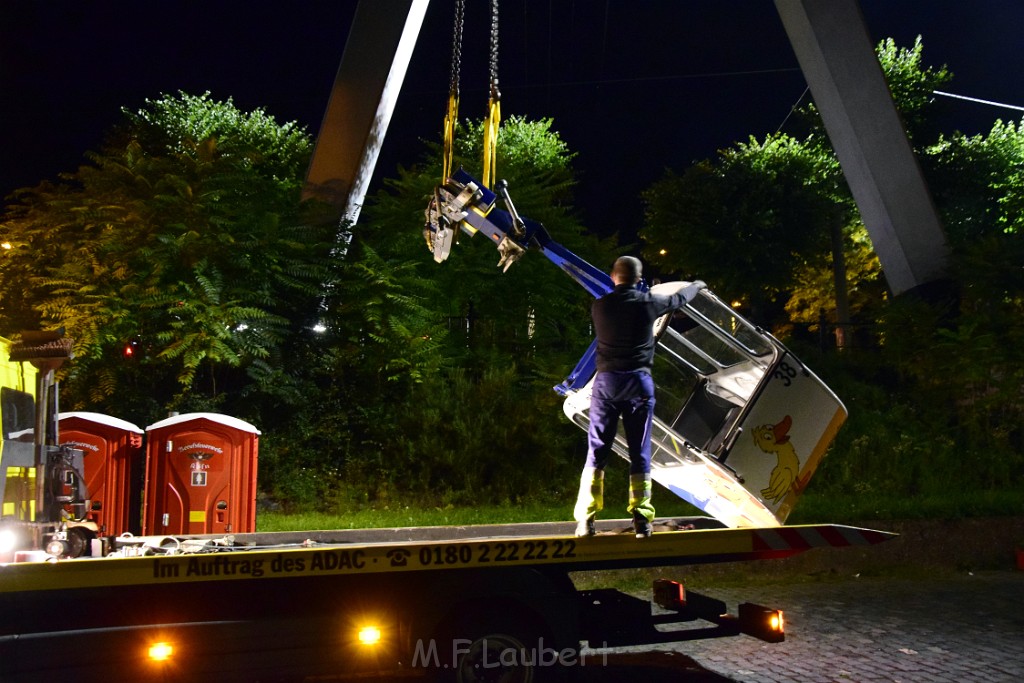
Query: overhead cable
[[979, 101]]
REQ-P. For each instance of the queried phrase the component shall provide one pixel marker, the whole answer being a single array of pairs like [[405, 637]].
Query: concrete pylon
[[838, 60]]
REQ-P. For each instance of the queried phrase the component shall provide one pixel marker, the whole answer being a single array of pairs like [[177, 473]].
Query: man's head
[[627, 270]]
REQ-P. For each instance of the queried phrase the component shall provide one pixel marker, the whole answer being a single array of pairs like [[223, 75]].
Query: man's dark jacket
[[623, 322]]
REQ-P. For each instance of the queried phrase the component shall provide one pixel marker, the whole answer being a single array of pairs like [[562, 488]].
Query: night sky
[[632, 86]]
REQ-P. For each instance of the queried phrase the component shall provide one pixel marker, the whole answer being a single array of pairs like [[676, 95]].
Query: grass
[[812, 508], [819, 508], [420, 515]]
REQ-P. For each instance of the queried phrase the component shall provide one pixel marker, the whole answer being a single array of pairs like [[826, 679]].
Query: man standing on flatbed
[[624, 326]]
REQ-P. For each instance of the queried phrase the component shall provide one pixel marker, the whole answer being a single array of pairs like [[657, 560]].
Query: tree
[[913, 85], [936, 398], [780, 208], [759, 208], [184, 240], [443, 374], [184, 233], [978, 182]]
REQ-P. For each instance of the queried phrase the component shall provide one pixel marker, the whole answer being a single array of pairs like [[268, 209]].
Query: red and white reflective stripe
[[803, 538]]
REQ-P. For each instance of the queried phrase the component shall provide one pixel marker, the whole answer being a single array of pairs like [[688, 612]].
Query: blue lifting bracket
[[462, 203]]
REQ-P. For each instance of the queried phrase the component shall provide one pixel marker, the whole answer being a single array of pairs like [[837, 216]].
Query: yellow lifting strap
[[450, 119], [491, 126]]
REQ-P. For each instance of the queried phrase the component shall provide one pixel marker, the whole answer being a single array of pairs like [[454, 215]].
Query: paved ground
[[960, 628]]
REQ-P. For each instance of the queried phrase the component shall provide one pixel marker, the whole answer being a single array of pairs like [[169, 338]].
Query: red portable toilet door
[[199, 484], [201, 475]]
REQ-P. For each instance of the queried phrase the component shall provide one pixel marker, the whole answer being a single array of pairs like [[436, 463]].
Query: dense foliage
[[437, 383], [933, 384], [377, 376], [181, 240]]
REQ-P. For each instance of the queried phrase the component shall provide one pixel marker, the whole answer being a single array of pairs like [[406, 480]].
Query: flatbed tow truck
[[468, 603], [473, 603]]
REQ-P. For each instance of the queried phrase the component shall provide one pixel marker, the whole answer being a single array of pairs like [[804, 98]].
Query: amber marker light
[[767, 624], [160, 652], [369, 635]]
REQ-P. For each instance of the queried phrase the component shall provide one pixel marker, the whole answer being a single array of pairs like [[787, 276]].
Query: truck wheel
[[498, 646]]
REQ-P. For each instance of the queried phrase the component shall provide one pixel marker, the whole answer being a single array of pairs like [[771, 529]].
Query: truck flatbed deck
[[440, 601], [164, 560]]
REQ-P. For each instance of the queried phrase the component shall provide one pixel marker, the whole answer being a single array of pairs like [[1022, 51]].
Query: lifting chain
[[451, 117], [460, 11], [441, 227], [493, 64], [493, 121]]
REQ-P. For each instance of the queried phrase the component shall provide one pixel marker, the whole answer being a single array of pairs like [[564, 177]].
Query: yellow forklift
[[43, 495]]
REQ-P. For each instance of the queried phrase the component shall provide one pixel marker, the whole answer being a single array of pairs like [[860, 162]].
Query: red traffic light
[[131, 349]]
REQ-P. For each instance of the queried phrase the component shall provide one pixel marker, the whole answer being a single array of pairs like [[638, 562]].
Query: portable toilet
[[111, 468], [200, 475]]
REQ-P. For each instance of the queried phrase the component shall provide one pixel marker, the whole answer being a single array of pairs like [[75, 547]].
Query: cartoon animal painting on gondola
[[774, 439]]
